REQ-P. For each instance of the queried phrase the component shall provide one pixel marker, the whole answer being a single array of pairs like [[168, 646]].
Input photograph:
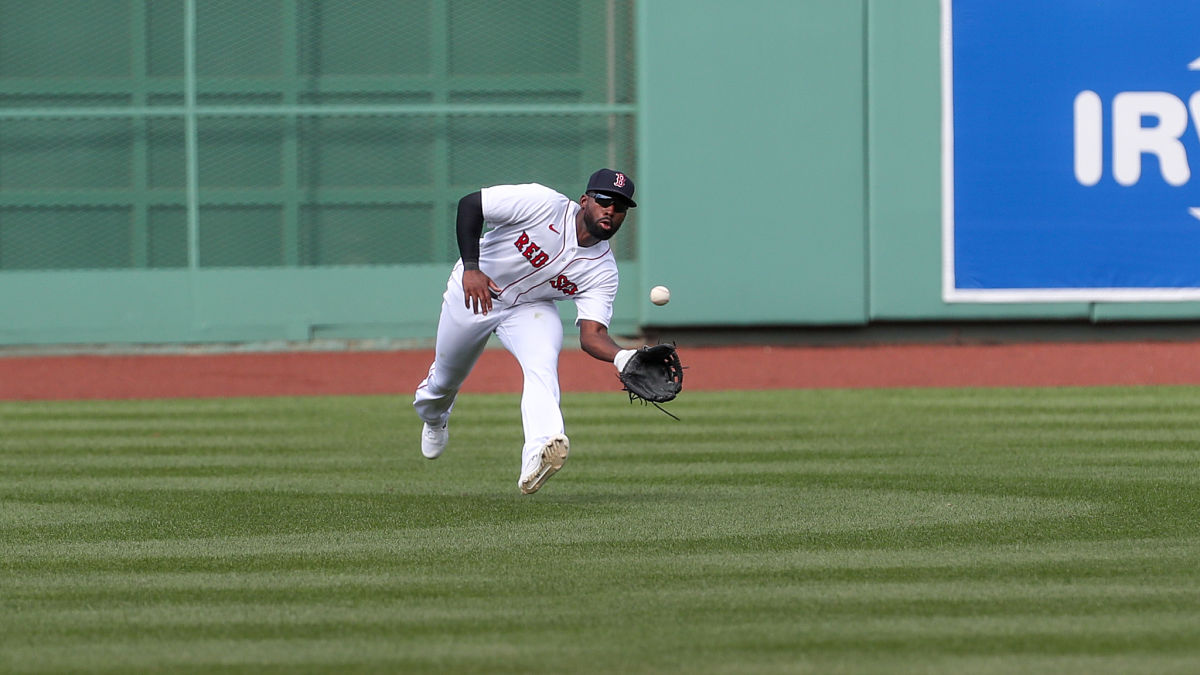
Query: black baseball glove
[[653, 374]]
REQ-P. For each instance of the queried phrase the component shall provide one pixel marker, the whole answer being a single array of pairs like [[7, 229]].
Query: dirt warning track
[[398, 372]]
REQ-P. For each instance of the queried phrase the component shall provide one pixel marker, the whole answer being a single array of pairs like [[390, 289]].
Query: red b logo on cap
[[620, 182]]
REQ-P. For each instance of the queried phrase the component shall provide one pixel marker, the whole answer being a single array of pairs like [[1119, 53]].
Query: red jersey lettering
[[532, 252], [562, 283]]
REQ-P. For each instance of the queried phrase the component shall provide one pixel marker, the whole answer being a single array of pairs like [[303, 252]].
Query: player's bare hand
[[478, 291]]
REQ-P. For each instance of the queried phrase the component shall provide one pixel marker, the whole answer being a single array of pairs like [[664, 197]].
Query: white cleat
[[433, 440], [544, 464]]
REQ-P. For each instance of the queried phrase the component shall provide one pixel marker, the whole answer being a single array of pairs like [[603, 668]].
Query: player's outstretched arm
[[595, 340]]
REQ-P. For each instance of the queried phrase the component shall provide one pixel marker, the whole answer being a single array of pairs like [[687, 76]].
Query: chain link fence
[[146, 134]]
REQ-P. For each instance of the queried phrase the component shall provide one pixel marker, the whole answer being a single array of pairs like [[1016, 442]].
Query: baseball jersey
[[530, 250]]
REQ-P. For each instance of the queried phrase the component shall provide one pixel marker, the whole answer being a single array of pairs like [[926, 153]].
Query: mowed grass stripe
[[809, 513], [823, 531]]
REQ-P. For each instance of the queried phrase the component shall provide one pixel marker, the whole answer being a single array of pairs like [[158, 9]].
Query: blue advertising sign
[[1071, 150]]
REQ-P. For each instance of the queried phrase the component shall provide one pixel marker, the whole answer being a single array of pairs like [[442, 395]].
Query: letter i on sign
[[1089, 138]]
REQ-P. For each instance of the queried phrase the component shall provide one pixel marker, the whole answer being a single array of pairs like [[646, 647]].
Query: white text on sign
[[1131, 139]]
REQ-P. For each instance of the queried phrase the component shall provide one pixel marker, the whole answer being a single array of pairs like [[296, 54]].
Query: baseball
[[660, 295]]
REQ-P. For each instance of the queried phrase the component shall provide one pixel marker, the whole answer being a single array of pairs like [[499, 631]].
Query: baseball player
[[541, 247]]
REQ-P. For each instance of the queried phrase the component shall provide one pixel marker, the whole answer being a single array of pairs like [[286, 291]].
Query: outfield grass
[[890, 531]]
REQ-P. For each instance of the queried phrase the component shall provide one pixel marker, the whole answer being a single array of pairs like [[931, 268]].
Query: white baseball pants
[[531, 332]]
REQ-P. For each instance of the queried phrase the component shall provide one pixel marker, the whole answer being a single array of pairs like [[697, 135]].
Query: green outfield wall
[[191, 171], [793, 152]]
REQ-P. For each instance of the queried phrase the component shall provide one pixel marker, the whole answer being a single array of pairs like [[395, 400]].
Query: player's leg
[[533, 334], [461, 339]]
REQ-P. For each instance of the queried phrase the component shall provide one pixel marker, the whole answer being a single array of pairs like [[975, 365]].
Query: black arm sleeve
[[469, 227]]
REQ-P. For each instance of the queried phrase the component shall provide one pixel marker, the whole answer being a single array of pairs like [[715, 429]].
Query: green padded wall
[[752, 128]]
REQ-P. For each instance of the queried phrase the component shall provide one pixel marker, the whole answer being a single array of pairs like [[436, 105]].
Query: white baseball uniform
[[532, 254]]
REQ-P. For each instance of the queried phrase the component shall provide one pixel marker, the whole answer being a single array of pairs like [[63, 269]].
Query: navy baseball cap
[[612, 183]]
